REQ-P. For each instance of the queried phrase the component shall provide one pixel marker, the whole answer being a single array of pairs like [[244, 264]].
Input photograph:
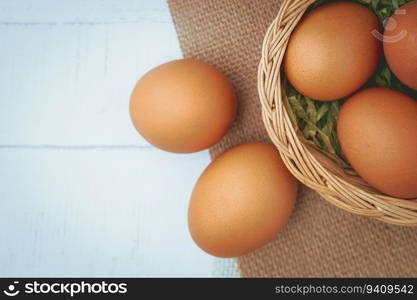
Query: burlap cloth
[[320, 240]]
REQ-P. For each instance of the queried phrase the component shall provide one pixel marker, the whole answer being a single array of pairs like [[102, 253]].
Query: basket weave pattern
[[343, 188]]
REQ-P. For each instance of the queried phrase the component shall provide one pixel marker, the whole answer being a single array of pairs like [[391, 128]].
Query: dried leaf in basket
[[316, 120]]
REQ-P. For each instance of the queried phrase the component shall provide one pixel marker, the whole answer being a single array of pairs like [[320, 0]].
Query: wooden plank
[[68, 68], [82, 11], [81, 193], [98, 213]]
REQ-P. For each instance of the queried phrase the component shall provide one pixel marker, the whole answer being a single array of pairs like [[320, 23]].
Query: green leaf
[[374, 4], [310, 131], [386, 73], [380, 81], [324, 108], [298, 108], [311, 109]]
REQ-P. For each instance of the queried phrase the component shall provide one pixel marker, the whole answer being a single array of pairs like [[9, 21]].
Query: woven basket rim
[[341, 188]]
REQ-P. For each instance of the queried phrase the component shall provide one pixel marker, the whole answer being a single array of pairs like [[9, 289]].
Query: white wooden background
[[81, 194]]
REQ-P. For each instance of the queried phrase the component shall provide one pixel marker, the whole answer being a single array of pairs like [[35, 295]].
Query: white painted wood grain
[[69, 82], [98, 213], [83, 11], [81, 194]]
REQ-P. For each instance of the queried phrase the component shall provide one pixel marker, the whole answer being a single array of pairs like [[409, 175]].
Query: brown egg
[[241, 201], [400, 44], [183, 106], [332, 51], [377, 130]]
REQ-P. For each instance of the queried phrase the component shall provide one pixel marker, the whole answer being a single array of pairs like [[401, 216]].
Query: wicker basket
[[343, 188]]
